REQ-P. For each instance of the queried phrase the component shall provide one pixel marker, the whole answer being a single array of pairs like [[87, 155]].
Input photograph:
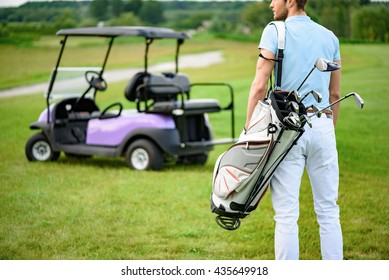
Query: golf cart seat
[[188, 107], [164, 89], [158, 87]]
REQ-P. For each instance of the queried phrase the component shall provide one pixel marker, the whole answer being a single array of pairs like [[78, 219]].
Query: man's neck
[[296, 12]]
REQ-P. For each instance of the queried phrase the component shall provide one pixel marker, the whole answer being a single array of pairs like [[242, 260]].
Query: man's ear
[[290, 3]]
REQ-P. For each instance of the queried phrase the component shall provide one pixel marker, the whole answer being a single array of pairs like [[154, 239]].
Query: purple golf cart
[[167, 125]]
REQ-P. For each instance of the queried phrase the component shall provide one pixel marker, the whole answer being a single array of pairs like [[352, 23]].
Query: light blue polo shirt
[[305, 41]]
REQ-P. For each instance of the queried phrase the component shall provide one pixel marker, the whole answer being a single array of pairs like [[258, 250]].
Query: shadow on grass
[[115, 163]]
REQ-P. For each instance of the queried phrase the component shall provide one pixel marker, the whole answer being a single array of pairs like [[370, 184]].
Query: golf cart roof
[[129, 31]]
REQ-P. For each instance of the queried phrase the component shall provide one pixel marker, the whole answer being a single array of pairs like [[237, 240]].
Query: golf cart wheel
[[38, 148], [142, 154]]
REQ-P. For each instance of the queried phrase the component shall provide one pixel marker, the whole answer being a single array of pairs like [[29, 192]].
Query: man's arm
[[259, 85], [334, 89]]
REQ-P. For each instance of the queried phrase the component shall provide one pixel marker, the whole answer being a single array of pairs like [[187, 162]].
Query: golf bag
[[242, 174]]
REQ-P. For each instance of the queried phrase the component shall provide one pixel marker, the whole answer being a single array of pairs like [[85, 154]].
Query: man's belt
[[328, 113]]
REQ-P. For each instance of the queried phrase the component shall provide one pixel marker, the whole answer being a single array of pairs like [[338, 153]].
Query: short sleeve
[[269, 39], [337, 49]]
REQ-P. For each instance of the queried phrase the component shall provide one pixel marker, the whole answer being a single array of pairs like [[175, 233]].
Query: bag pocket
[[228, 179]]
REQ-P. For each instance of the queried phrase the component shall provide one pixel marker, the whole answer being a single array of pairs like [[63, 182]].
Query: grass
[[99, 209]]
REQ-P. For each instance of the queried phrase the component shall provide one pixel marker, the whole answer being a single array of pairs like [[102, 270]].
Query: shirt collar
[[298, 18]]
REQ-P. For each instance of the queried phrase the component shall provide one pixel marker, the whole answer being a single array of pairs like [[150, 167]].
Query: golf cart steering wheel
[[95, 80]]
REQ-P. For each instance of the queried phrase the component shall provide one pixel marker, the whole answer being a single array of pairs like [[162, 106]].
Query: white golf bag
[[242, 174]]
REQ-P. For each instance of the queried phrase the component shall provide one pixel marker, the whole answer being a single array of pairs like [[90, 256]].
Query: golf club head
[[293, 120], [293, 105], [358, 99], [306, 119], [316, 95], [294, 115], [325, 65], [295, 94], [316, 110]]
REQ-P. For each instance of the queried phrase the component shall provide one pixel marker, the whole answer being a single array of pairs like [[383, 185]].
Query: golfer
[[305, 41]]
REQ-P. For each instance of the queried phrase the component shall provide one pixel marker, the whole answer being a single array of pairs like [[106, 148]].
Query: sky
[[11, 3], [15, 3]]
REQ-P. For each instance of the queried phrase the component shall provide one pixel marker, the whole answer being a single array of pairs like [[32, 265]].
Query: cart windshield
[[70, 82]]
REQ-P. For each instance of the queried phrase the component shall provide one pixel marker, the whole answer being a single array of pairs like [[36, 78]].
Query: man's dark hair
[[301, 3]]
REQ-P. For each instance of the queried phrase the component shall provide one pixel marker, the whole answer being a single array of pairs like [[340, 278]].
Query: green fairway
[[99, 209]]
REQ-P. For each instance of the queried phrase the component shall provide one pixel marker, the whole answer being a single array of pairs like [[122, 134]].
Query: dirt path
[[200, 60]]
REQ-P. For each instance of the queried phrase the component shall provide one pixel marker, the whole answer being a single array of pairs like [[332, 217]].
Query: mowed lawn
[[99, 209]]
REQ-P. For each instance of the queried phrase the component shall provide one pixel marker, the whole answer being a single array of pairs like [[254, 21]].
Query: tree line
[[357, 20]]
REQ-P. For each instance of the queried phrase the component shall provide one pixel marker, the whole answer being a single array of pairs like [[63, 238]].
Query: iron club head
[[295, 94], [294, 106], [306, 119], [315, 95], [358, 99], [293, 120], [316, 110]]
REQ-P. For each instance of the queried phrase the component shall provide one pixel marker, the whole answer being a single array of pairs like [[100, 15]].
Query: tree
[[133, 6], [370, 23], [66, 19], [99, 9], [125, 19], [256, 15], [151, 12], [191, 20], [117, 7], [336, 15]]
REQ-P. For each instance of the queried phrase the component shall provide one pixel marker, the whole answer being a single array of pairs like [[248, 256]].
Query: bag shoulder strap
[[280, 27]]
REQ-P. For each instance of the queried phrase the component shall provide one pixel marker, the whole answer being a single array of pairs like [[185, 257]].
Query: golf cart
[[165, 124]]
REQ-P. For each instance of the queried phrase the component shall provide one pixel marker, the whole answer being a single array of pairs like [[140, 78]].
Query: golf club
[[322, 65], [293, 120], [294, 106], [315, 109], [306, 119], [295, 94], [315, 94], [357, 99]]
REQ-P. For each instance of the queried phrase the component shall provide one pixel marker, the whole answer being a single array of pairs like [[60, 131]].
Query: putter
[[315, 94], [358, 99], [322, 65]]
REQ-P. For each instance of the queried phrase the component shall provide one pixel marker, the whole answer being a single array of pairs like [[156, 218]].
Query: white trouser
[[316, 149]]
